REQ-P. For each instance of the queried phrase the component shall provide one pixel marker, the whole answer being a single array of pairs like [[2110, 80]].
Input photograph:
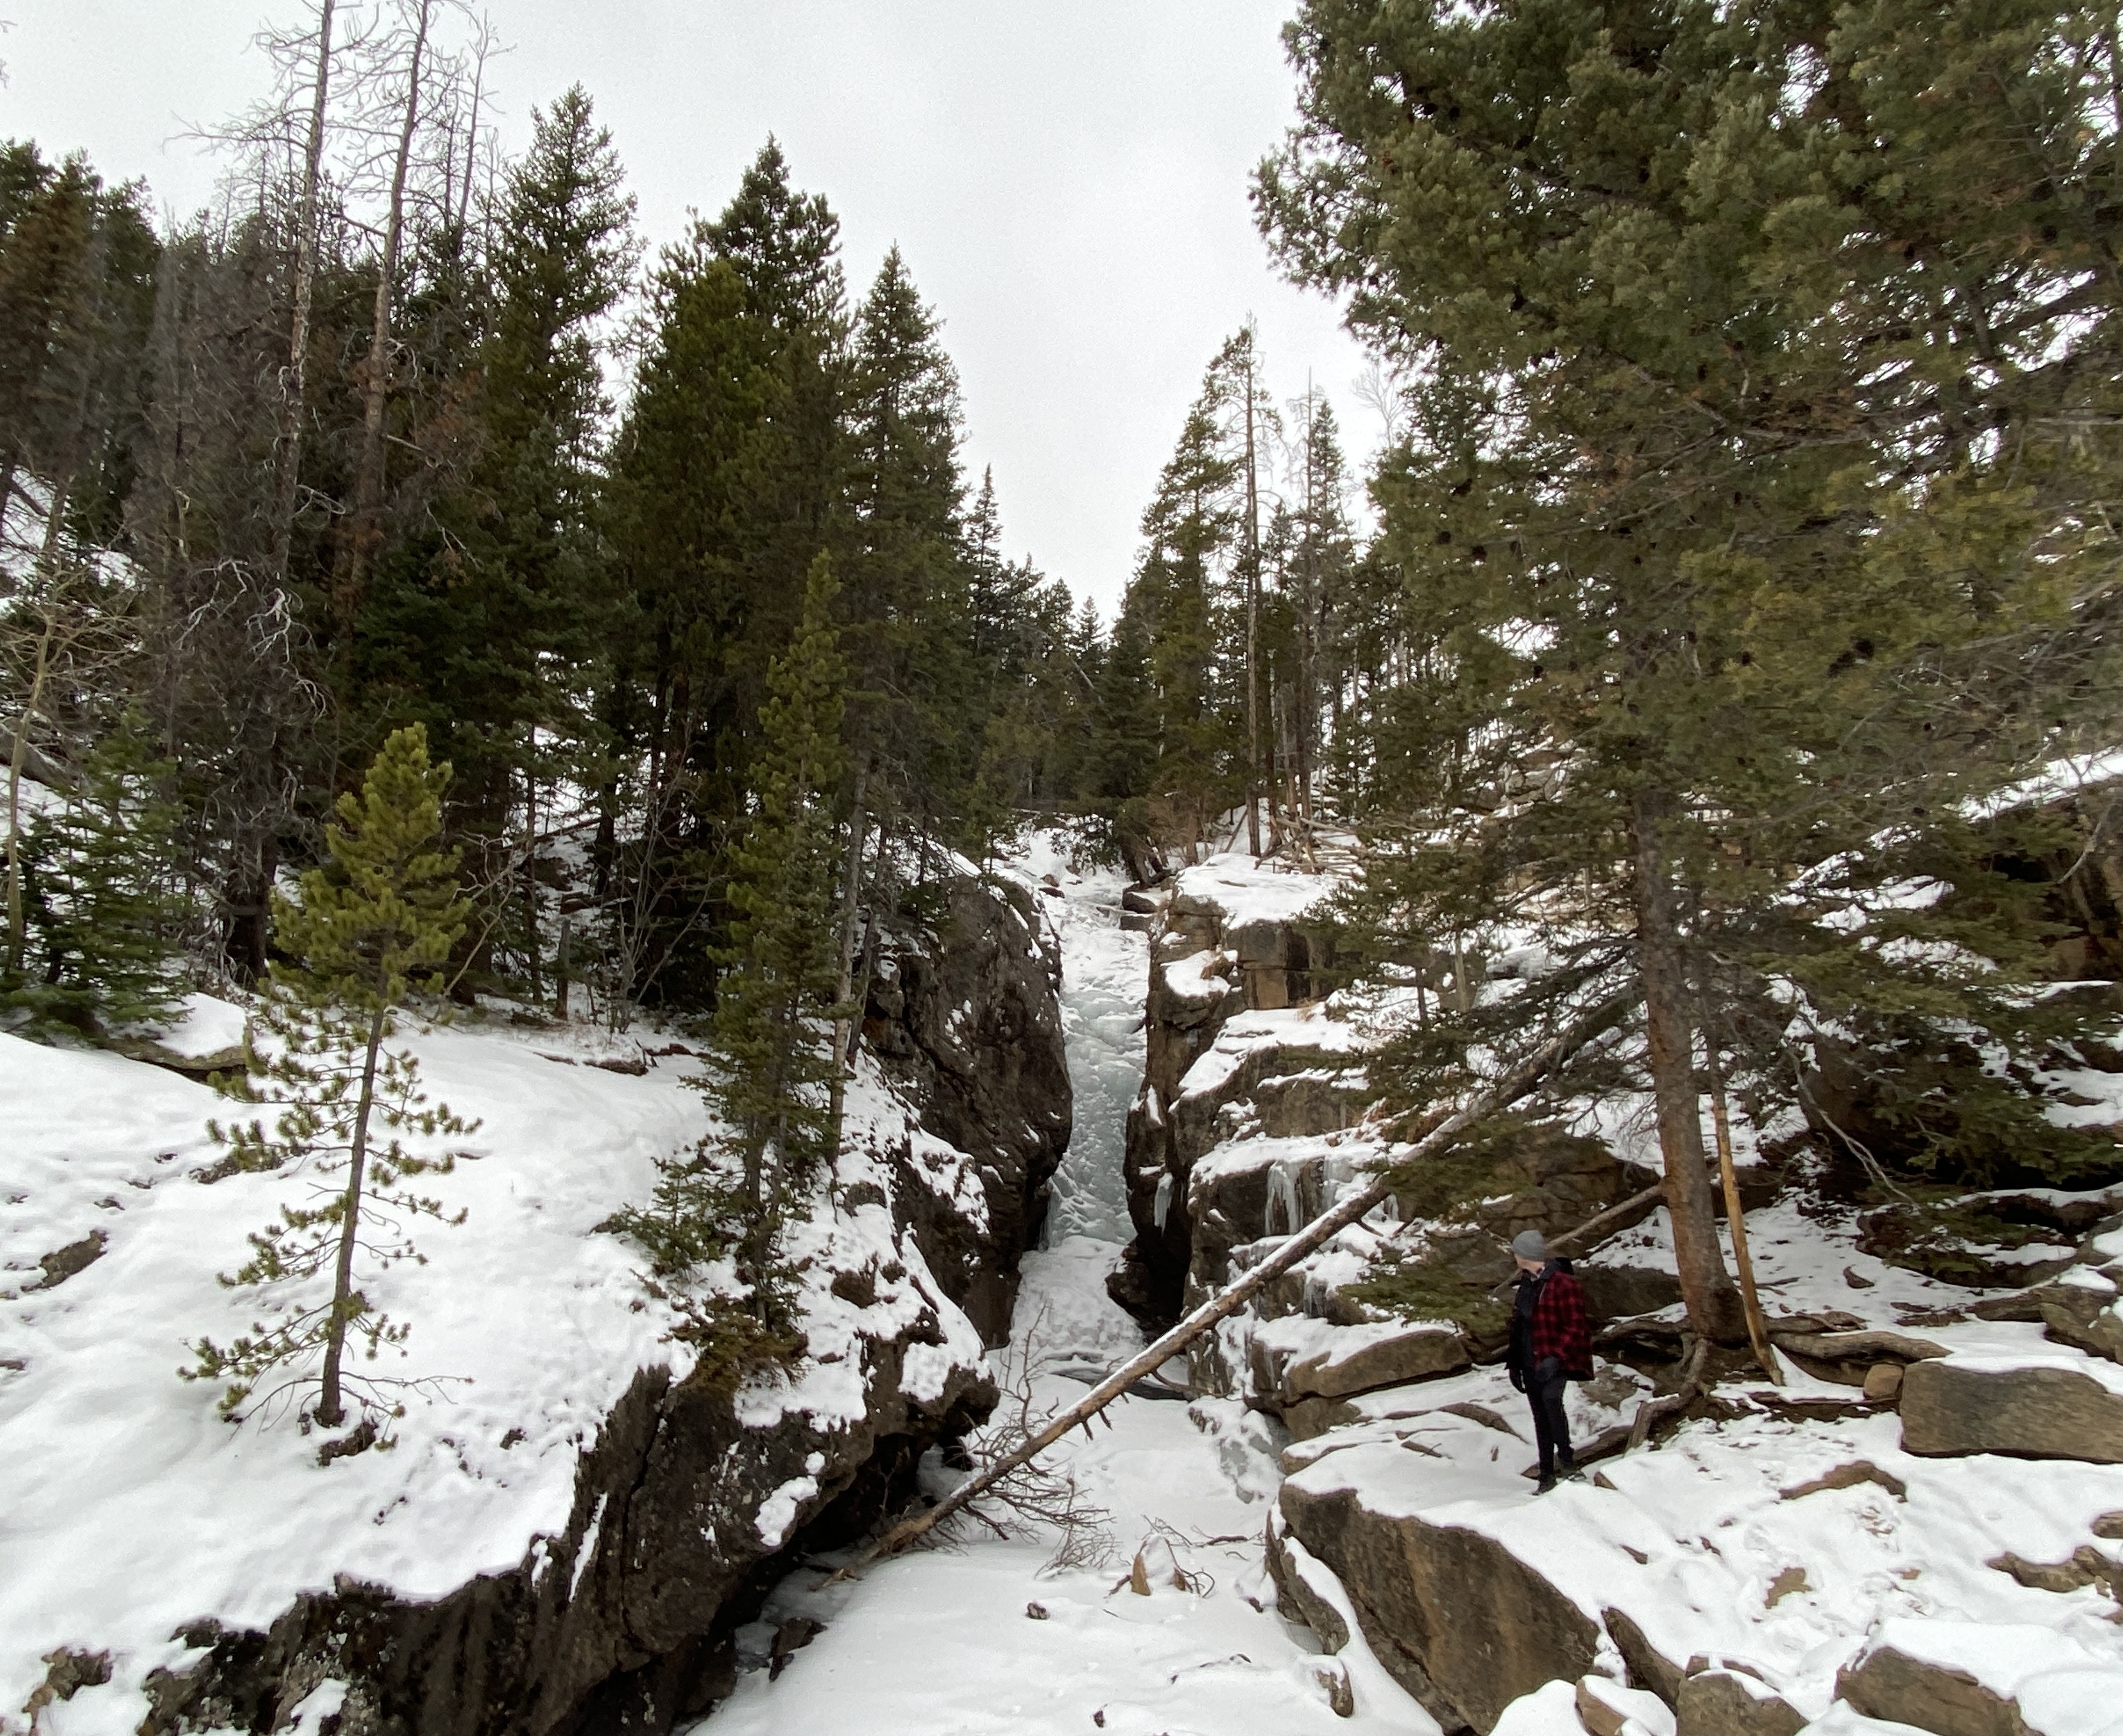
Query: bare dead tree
[[418, 18]]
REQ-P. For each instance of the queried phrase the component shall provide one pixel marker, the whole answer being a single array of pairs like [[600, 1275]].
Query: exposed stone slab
[[1890, 1684], [1301, 1358], [1964, 1678], [1958, 1406], [1460, 1622], [1725, 1702]]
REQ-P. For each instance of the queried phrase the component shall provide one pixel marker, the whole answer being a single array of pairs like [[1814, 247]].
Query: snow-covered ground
[[131, 1509], [986, 1636]]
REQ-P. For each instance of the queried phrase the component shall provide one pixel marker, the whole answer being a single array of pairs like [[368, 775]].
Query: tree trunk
[[1253, 624], [843, 981], [532, 943], [293, 385], [18, 917], [250, 900], [331, 1412], [1714, 1306], [368, 474], [1736, 1220]]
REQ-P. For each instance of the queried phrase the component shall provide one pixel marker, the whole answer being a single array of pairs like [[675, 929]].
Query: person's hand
[[1547, 1368], [1518, 1379]]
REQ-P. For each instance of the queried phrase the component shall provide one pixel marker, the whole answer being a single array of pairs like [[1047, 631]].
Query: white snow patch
[[777, 1513]]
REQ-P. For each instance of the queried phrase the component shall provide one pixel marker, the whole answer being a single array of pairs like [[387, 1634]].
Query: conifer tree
[[1192, 619], [906, 600], [785, 246], [1733, 556], [775, 1066], [367, 930], [516, 587], [105, 915]]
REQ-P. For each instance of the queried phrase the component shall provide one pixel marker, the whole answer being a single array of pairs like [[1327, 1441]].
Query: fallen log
[[1500, 1095]]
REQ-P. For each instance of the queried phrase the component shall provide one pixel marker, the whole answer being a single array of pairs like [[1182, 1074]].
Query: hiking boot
[[1572, 1473], [1546, 1483]]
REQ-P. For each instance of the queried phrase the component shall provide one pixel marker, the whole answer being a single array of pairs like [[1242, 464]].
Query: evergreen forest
[[1738, 560]]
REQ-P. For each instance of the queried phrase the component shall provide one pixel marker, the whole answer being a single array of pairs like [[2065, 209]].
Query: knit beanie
[[1530, 1245]]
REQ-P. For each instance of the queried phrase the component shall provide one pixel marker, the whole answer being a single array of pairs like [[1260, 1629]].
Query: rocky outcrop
[[1294, 1080], [1729, 1700], [967, 1023], [695, 1498], [621, 1622], [1952, 1407], [1299, 1358], [1462, 1624]]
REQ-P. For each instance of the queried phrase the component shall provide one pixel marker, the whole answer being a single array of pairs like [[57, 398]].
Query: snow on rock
[[1748, 1539], [1299, 1358], [133, 1509], [777, 1513], [206, 1025], [1246, 890], [562, 1500], [1971, 1674]]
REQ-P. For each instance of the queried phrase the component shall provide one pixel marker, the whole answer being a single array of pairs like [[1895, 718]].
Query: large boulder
[[1462, 1623], [1300, 1358], [1725, 1702], [1964, 1678], [1956, 1405]]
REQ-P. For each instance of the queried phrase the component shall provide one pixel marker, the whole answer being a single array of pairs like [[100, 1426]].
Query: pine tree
[[514, 593], [367, 929], [680, 508], [1189, 596], [105, 916], [906, 601], [772, 1047], [1730, 557], [785, 246]]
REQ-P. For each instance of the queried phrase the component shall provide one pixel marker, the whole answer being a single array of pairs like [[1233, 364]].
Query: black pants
[[1551, 1427]]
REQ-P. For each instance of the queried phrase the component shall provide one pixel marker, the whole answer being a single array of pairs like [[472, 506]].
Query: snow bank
[[1247, 890], [133, 1508]]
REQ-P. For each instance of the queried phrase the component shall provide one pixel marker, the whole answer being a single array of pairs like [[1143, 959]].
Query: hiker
[[1551, 1345]]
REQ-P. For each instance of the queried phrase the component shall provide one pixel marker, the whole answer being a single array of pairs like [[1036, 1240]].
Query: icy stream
[[990, 1635], [1105, 969]]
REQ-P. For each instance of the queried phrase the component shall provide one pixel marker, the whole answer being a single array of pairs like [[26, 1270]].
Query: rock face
[[1462, 1623], [967, 1023], [1204, 971], [621, 1622], [1728, 1702], [1950, 1408], [691, 1500]]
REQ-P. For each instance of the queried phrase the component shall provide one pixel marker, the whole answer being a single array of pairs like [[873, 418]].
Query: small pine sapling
[[386, 906]]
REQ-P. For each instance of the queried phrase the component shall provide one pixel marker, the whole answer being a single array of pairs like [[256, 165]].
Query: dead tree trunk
[[1252, 619], [288, 478], [376, 385], [844, 979]]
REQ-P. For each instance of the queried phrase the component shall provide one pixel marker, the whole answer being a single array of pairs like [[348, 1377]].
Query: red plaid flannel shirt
[[1560, 1326]]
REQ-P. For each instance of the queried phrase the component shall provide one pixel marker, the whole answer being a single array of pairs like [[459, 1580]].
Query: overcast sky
[[1067, 182]]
